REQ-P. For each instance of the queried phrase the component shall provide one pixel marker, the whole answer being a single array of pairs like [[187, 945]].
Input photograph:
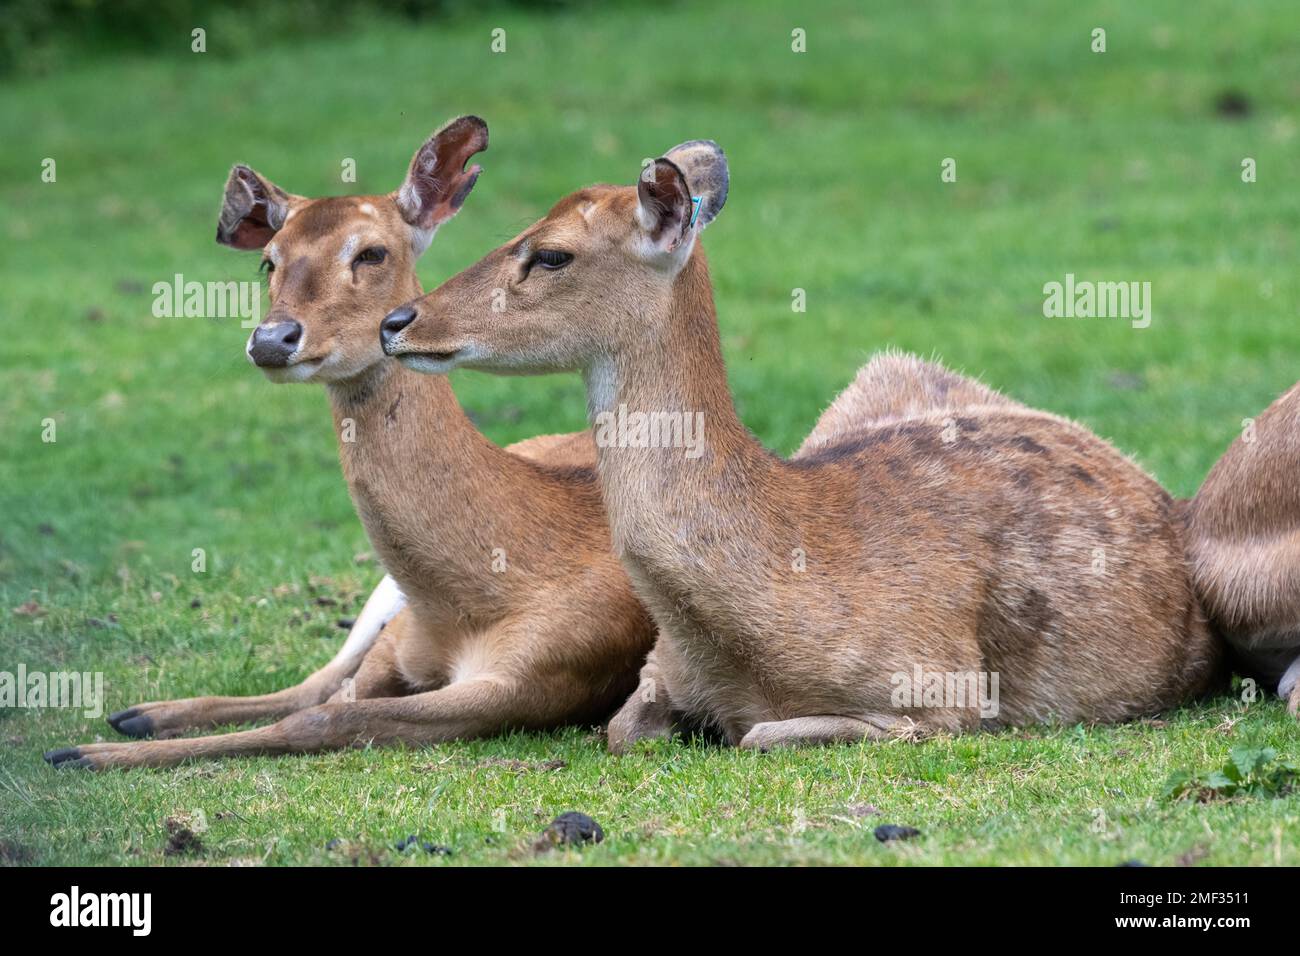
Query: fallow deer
[[1244, 540], [945, 531], [505, 606]]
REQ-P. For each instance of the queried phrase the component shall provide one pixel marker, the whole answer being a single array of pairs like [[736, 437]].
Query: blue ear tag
[[697, 202]]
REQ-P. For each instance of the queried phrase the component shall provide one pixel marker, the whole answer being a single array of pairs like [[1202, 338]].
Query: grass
[[1123, 166]]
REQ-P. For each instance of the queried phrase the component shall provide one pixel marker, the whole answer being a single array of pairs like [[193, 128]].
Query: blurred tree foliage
[[38, 36]]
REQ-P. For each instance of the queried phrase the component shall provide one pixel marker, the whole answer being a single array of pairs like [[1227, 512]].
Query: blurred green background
[[1122, 165]]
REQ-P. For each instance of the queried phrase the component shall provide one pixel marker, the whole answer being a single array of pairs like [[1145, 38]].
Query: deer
[[1244, 545], [931, 532], [503, 606]]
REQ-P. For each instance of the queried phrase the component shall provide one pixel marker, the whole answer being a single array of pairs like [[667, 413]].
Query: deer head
[[337, 265], [587, 280]]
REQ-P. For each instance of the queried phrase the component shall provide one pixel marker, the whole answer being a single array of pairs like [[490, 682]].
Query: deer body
[[1244, 532], [505, 607], [928, 523], [490, 548], [978, 554]]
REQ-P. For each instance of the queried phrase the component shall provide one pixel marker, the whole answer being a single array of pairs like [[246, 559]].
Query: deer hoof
[[132, 723], [66, 757]]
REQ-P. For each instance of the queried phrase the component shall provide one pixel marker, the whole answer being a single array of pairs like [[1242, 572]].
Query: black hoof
[[66, 757], [131, 723]]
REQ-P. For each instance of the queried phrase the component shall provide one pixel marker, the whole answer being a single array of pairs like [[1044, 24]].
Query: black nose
[[273, 344], [394, 322]]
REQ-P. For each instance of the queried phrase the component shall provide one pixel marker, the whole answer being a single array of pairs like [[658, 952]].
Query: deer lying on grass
[[506, 607], [1244, 541], [938, 529]]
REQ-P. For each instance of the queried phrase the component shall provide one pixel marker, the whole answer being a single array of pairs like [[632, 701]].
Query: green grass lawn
[[1120, 166]]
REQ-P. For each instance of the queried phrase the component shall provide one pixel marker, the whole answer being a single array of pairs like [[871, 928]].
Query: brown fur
[[1244, 541], [554, 638], [941, 524]]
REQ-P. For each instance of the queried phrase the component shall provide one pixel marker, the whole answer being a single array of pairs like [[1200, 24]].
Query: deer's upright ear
[[438, 182], [704, 165], [664, 207], [681, 193], [253, 210]]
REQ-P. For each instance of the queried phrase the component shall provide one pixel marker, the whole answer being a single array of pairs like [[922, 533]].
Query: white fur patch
[[473, 660], [656, 255], [645, 219], [602, 387], [297, 372], [409, 200], [367, 209], [349, 249], [424, 364], [420, 238], [1289, 679], [380, 608]]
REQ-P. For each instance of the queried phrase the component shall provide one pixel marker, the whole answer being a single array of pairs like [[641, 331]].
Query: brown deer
[[506, 607], [1244, 541], [927, 540]]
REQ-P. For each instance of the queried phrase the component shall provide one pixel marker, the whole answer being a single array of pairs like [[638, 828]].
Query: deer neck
[[660, 499], [435, 496]]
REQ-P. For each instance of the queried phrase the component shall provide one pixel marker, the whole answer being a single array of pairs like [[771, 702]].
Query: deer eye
[[266, 266], [373, 254], [552, 258]]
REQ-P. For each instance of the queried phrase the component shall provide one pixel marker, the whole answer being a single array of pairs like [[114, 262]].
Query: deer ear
[[704, 165], [664, 206], [438, 182], [681, 193], [253, 210]]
